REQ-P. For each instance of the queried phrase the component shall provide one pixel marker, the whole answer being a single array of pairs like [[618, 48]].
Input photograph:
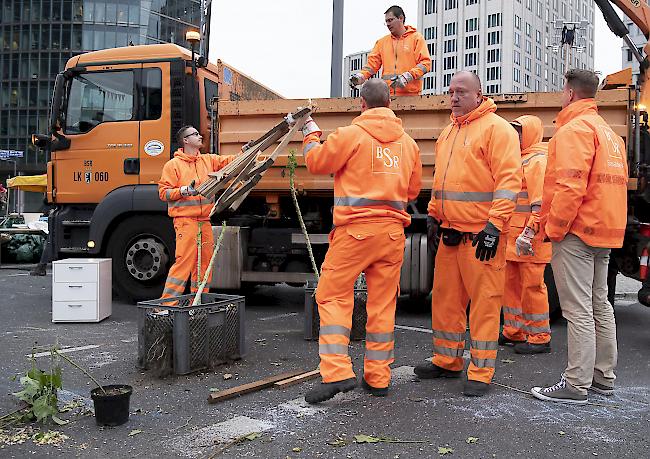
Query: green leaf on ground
[[337, 442], [471, 440], [366, 439], [59, 421], [134, 432], [296, 450], [442, 450], [252, 436]]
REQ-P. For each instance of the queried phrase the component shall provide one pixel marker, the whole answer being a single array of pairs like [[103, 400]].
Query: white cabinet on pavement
[[81, 289]]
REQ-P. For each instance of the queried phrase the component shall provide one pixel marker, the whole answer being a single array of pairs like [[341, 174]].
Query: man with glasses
[[181, 177], [402, 54]]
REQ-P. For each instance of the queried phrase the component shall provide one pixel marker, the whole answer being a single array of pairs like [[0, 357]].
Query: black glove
[[486, 242], [432, 234]]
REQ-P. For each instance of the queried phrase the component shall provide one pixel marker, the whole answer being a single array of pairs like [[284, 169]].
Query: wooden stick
[[208, 270], [215, 397], [297, 379]]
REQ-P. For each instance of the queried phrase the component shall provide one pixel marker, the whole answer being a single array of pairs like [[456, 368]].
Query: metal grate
[[312, 318], [190, 338]]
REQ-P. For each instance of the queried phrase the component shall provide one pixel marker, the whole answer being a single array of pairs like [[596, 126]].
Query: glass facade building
[[37, 37]]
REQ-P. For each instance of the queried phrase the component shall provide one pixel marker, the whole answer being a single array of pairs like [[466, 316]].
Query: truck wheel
[[554, 310], [142, 249]]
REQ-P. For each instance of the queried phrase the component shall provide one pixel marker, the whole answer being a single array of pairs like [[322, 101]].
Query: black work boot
[[475, 388], [529, 348], [325, 391], [428, 370], [503, 340], [376, 391]]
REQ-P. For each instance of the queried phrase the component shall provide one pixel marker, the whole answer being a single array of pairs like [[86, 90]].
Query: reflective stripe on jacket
[[408, 53], [477, 171], [376, 167], [529, 199], [180, 171], [585, 186]]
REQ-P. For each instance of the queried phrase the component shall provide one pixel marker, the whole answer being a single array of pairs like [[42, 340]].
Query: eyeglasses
[[196, 133]]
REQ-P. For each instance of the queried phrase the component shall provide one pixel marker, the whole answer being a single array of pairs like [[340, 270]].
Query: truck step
[[82, 223], [73, 250]]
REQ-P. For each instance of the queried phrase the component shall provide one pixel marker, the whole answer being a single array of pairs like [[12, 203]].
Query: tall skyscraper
[[508, 43], [37, 37]]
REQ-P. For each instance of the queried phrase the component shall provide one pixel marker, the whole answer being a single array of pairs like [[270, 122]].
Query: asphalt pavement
[[171, 417]]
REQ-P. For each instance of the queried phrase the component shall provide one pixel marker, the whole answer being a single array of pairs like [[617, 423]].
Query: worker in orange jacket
[[181, 176], [525, 300], [584, 214], [475, 185], [377, 171], [402, 55]]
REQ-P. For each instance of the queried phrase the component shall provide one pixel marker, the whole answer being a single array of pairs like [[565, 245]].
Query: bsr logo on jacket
[[386, 158]]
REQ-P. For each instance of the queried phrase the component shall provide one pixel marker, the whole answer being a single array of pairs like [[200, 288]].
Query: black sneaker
[[325, 391], [561, 392], [503, 340], [475, 388], [601, 389], [528, 348], [428, 370], [376, 391]]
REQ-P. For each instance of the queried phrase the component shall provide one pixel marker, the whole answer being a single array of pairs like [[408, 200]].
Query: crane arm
[[637, 10]]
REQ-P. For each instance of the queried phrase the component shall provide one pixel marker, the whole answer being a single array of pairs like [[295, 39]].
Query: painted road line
[[280, 316], [417, 329], [66, 350]]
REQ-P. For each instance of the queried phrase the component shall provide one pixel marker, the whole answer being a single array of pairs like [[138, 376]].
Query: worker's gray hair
[[583, 82], [376, 93], [180, 135]]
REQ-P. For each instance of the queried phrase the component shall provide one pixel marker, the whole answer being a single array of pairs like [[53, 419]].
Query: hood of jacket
[[532, 131], [381, 123], [185, 157], [577, 108], [487, 106]]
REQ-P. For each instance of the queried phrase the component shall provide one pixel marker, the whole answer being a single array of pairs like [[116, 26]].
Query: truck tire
[[554, 310], [142, 249]]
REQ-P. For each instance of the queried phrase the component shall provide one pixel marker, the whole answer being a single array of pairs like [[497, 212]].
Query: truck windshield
[[95, 98]]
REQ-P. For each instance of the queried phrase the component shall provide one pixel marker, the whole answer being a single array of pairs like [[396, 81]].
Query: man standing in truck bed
[[377, 170], [181, 176], [402, 54]]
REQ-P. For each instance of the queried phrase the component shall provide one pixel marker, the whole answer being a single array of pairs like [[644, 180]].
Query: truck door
[[155, 125], [101, 123]]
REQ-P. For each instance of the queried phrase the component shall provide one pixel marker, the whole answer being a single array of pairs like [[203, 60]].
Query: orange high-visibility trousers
[[185, 264], [525, 303], [459, 277], [376, 249]]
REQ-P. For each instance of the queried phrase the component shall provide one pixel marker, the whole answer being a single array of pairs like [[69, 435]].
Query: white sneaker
[[561, 392]]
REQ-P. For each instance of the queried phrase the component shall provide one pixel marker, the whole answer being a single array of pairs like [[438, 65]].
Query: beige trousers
[[580, 273]]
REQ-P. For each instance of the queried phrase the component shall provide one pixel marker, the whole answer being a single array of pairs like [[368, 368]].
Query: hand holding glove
[[524, 243], [432, 234], [357, 80], [486, 242], [189, 190], [403, 79]]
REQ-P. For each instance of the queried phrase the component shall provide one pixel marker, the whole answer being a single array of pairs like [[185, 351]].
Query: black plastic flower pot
[[112, 408]]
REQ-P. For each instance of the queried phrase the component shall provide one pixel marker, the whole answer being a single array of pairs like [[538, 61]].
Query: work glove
[[189, 190], [357, 80], [524, 243], [486, 242], [310, 126], [432, 234], [402, 80]]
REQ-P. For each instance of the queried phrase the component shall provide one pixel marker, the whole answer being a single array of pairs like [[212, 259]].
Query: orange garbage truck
[[113, 118]]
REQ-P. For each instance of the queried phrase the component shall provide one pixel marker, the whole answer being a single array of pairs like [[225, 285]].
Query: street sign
[[6, 154]]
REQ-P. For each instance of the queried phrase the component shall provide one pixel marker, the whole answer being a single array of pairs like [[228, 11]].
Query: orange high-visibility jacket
[[408, 53], [529, 199], [477, 171], [180, 171], [376, 168], [585, 186]]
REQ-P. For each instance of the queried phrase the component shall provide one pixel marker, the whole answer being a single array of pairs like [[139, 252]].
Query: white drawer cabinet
[[81, 290]]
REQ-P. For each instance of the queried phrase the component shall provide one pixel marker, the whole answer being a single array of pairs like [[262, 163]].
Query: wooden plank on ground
[[250, 387], [296, 379]]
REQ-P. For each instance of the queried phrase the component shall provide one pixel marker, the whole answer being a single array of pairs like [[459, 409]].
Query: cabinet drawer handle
[[75, 305], [75, 267], [75, 286]]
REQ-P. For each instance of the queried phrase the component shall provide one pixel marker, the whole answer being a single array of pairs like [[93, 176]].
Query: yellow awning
[[36, 183]]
